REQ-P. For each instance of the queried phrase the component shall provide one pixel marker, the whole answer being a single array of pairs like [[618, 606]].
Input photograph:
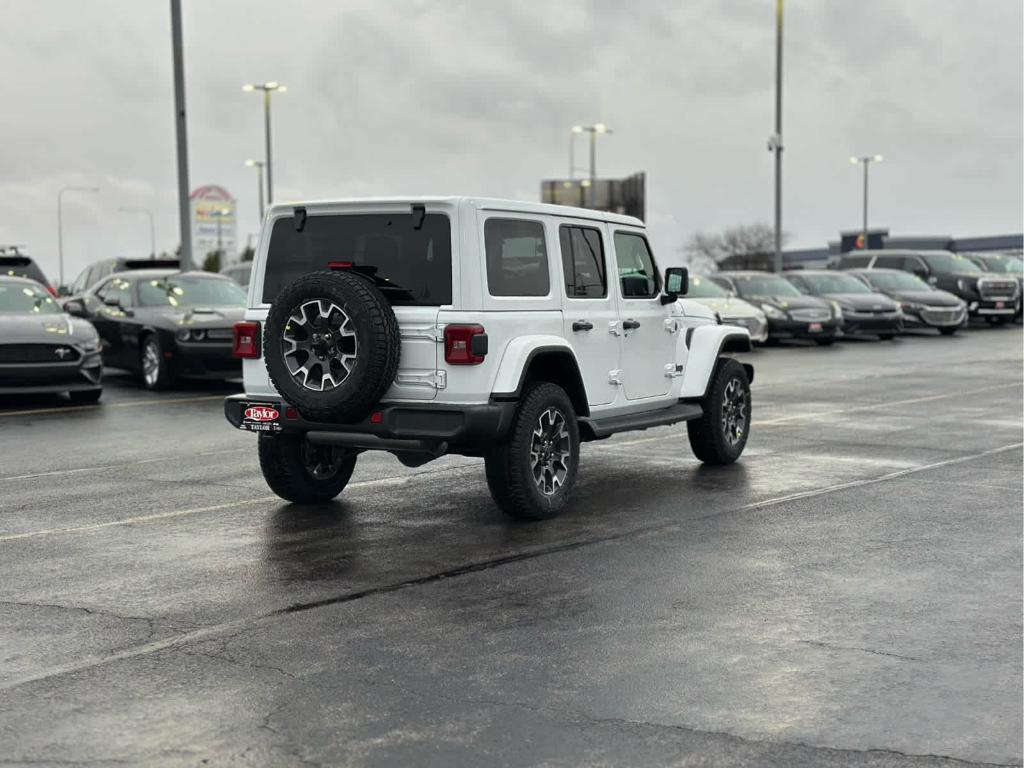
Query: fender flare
[[707, 344], [517, 359]]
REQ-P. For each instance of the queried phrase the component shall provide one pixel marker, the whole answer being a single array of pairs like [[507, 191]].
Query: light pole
[[593, 130], [775, 142], [258, 165], [575, 131], [181, 137], [866, 160], [60, 224], [267, 89], [152, 229]]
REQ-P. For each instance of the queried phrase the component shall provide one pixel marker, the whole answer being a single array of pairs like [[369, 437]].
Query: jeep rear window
[[411, 266]]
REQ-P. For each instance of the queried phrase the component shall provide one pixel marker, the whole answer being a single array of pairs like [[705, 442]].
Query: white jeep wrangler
[[504, 330]]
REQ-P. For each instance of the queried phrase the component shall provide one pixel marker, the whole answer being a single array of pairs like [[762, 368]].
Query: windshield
[[702, 288], [1004, 264], [952, 262], [190, 292], [27, 298], [897, 281], [763, 285], [837, 283]]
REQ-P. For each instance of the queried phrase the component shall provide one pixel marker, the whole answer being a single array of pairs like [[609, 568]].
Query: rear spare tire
[[332, 346]]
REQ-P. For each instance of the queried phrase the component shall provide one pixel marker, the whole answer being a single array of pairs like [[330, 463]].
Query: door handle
[[630, 325], [582, 325]]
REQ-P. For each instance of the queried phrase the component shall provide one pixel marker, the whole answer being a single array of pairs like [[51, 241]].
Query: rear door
[[590, 309], [648, 333]]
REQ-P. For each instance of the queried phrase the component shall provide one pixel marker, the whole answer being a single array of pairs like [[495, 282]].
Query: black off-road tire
[[378, 346], [948, 331], [285, 464], [708, 437], [85, 396], [510, 474]]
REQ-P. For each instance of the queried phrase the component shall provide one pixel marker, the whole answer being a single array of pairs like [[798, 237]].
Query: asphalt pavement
[[848, 594]]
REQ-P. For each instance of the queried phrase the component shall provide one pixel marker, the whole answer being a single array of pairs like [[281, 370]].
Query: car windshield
[[18, 297], [763, 285], [952, 262], [897, 281], [837, 283], [702, 288], [190, 292], [1005, 264]]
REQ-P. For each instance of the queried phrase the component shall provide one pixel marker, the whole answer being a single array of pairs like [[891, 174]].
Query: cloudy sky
[[477, 96]]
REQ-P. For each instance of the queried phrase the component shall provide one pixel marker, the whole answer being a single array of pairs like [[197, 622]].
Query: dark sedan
[[163, 324], [923, 306], [791, 315], [865, 311], [43, 349]]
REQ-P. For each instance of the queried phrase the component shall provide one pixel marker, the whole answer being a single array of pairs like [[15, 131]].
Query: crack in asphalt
[[835, 647], [90, 611]]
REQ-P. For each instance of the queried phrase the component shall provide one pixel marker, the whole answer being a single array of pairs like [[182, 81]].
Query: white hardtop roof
[[481, 203]]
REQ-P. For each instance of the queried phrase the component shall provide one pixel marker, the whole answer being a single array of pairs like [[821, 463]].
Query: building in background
[[214, 224], [626, 196]]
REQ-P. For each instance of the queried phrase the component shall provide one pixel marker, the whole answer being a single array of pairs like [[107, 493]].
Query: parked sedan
[[42, 349], [923, 305], [864, 310], [164, 324], [791, 315], [732, 310]]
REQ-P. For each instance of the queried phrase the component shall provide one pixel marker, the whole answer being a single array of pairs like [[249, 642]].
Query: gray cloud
[[477, 97]]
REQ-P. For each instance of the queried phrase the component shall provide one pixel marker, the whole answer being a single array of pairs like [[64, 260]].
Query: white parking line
[[105, 406]]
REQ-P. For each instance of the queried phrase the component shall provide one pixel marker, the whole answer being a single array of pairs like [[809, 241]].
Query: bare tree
[[704, 252]]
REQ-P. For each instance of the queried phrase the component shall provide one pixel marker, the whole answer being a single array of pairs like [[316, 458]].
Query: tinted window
[[855, 261], [897, 281], [21, 266], [951, 262], [517, 258], [31, 298], [583, 262], [890, 262], [190, 292], [636, 266], [409, 265], [703, 288], [117, 289], [763, 285], [836, 282]]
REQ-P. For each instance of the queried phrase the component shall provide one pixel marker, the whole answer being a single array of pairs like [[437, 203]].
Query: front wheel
[[719, 436], [301, 472], [155, 367], [531, 473]]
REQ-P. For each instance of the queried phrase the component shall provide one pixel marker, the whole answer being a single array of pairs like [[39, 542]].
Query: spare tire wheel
[[331, 346]]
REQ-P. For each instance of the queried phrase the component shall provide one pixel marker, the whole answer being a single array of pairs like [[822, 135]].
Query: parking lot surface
[[849, 593]]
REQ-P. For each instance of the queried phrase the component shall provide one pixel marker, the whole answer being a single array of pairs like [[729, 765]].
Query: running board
[[601, 428]]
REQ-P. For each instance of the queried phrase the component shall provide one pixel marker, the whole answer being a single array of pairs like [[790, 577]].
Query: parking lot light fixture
[[60, 225], [865, 160], [593, 130], [267, 88]]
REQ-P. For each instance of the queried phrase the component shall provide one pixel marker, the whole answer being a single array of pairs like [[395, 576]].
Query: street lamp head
[[254, 163], [877, 158], [248, 87], [282, 88], [601, 128], [577, 129], [854, 160]]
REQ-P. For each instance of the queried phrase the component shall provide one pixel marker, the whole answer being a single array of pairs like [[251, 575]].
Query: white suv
[[505, 330]]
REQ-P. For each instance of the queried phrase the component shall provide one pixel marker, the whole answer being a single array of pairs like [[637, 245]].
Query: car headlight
[[911, 307], [183, 334], [92, 345], [773, 312]]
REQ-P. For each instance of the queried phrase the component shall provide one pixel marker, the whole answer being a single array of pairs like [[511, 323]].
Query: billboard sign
[[214, 225]]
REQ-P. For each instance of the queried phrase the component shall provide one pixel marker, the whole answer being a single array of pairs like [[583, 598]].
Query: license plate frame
[[264, 422], [815, 328]]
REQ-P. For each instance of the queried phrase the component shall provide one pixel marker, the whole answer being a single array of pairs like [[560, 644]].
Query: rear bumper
[[455, 425]]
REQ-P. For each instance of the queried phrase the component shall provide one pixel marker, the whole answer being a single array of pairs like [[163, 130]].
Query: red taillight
[[377, 417], [247, 340], [339, 265], [52, 290], [464, 344]]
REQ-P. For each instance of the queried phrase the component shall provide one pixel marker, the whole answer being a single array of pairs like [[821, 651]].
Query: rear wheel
[[155, 368], [532, 472], [720, 435], [301, 472]]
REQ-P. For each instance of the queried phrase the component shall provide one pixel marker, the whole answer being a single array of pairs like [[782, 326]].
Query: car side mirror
[[677, 283], [111, 301], [75, 307]]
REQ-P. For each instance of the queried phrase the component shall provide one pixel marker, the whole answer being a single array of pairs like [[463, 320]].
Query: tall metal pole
[[593, 171], [270, 166], [572, 155], [60, 239], [865, 230], [259, 176], [778, 135], [182, 137]]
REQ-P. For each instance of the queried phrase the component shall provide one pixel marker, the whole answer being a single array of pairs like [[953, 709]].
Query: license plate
[[261, 417], [814, 328], [1000, 304]]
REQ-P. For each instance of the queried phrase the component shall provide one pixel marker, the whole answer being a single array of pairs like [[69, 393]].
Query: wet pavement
[[848, 594]]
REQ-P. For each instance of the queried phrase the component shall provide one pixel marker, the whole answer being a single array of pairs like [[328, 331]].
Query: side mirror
[[75, 307], [677, 283], [111, 301]]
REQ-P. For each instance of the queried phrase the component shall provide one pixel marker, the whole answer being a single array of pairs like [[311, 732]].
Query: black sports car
[[164, 324], [43, 349], [923, 306], [865, 311], [791, 315]]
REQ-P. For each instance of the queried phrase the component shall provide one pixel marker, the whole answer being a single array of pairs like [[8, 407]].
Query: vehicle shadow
[[310, 543]]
